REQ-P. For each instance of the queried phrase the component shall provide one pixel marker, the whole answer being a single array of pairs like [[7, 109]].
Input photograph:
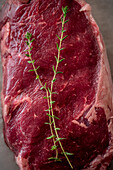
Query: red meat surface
[[84, 90]]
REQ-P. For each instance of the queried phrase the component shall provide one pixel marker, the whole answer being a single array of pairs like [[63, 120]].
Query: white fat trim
[[86, 7]]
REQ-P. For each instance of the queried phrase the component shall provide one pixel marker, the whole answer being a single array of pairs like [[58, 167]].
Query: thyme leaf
[[66, 21], [61, 60], [57, 128], [56, 59], [67, 153], [45, 97], [62, 49], [31, 62], [37, 77], [65, 37], [47, 123], [32, 40], [30, 70], [52, 102], [54, 158], [54, 147], [53, 136], [58, 36], [54, 92], [59, 139], [57, 47], [49, 90], [59, 72], [54, 69], [27, 55], [54, 80], [53, 116]]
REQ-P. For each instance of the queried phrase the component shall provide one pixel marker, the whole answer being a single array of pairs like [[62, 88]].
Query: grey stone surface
[[7, 161], [103, 13]]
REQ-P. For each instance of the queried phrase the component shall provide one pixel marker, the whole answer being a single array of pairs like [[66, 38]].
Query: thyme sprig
[[31, 61], [49, 91], [55, 70]]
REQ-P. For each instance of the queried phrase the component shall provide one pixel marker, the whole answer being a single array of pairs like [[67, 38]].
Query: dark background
[[103, 13]]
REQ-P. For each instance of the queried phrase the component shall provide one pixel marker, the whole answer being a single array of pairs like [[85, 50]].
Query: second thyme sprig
[[49, 91], [55, 70]]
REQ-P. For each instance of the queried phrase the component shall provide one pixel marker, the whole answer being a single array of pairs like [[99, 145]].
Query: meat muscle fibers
[[83, 101]]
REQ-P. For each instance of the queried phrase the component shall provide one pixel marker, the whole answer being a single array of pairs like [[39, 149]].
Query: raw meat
[[84, 99]]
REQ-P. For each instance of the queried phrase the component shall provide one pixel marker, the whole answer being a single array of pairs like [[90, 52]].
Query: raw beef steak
[[84, 90]]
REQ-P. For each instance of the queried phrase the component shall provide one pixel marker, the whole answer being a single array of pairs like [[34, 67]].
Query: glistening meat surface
[[84, 99]]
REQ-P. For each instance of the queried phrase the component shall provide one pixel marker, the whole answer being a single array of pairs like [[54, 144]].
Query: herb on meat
[[31, 61], [49, 91]]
